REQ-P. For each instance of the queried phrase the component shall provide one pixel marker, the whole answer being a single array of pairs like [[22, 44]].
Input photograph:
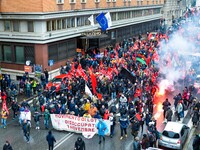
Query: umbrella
[[141, 60]]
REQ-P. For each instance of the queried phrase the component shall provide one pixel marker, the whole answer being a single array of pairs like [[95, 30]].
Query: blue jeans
[[46, 123], [3, 121]]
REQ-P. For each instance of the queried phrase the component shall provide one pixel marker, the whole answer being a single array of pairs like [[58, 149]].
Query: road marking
[[60, 143], [63, 138]]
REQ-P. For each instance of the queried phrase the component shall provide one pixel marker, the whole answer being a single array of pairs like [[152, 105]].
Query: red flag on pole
[[94, 83]]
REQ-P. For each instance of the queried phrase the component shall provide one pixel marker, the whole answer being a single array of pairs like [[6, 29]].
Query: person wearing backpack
[[4, 116]]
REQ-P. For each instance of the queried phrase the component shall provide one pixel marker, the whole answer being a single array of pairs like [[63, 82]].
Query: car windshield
[[171, 134], [57, 80]]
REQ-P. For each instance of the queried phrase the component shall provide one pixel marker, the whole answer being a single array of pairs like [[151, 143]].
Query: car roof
[[173, 126]]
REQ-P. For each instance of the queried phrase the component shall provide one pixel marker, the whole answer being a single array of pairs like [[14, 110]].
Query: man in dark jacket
[[79, 144], [7, 146], [50, 139], [26, 129], [169, 114], [166, 104], [196, 143]]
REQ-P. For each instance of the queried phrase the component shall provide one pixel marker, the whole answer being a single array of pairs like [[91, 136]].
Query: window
[[15, 25], [83, 1], [19, 54], [59, 24], [113, 0], [80, 21], [72, 1], [49, 25], [108, 1], [96, 1], [7, 26], [63, 23], [62, 51], [70, 22], [53, 52], [60, 1], [1, 58], [30, 26], [53, 25], [171, 134], [7, 53]]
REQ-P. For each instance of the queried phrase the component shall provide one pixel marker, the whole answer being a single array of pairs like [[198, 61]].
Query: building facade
[[173, 9], [43, 30]]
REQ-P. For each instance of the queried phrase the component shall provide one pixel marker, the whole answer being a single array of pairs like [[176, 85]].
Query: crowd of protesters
[[103, 77]]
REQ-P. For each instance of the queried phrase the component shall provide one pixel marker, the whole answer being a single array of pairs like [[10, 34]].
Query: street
[[66, 140]]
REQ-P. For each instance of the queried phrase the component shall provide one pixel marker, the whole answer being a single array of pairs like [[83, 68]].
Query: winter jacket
[[7, 147], [102, 127], [124, 122], [195, 117], [50, 139], [79, 144]]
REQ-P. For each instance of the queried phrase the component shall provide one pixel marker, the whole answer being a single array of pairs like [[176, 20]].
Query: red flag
[[94, 83]]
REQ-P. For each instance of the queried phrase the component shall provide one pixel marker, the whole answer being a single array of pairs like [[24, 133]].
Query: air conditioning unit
[[60, 1]]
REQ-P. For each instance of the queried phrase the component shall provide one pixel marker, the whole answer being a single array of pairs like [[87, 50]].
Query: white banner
[[72, 123]]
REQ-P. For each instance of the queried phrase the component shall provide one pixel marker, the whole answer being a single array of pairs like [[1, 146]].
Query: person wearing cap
[[102, 129], [79, 144], [7, 146], [51, 140], [136, 144]]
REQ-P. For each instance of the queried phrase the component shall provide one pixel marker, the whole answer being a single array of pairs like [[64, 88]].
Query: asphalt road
[[66, 140]]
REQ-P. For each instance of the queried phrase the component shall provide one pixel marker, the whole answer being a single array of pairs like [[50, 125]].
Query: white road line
[[63, 141]]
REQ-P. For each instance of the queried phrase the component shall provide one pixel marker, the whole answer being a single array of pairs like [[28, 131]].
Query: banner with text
[[72, 123]]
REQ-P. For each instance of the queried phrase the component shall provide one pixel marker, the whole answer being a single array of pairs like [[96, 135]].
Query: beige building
[[43, 30], [173, 9]]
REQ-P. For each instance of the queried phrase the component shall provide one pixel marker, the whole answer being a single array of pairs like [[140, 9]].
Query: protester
[[26, 130], [51, 140], [124, 123], [46, 118], [102, 129], [196, 142], [4, 116], [136, 144], [79, 144], [7, 146]]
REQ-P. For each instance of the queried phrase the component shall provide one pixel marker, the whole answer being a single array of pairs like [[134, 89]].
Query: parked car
[[174, 135], [56, 81]]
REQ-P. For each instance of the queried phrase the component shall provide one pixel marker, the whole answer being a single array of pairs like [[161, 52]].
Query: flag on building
[[91, 19], [104, 21]]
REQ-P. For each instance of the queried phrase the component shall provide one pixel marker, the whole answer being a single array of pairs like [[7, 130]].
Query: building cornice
[[62, 14]]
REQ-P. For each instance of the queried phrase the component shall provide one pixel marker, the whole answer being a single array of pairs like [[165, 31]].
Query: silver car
[[174, 135]]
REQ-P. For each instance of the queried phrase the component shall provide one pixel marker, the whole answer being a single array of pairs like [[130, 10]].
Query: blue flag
[[102, 20]]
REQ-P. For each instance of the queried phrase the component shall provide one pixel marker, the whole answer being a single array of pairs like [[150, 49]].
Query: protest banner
[[86, 126]]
